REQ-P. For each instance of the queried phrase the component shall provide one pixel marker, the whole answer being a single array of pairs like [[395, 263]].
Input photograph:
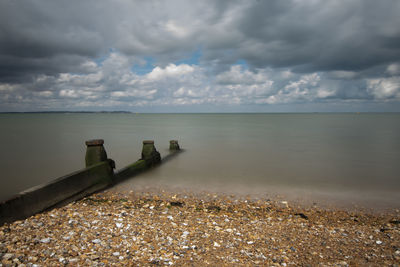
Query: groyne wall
[[98, 175]]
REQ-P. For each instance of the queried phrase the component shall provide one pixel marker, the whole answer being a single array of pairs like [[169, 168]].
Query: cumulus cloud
[[169, 72], [385, 88], [70, 54]]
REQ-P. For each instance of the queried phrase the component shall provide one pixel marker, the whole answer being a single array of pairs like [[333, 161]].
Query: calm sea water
[[345, 156]]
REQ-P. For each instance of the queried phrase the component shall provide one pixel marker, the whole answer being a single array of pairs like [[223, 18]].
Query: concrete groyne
[[98, 175]]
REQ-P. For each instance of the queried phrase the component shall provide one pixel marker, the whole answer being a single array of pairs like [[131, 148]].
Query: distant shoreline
[[39, 112], [133, 112]]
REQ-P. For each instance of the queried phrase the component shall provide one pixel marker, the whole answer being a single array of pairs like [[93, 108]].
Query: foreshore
[[169, 228]]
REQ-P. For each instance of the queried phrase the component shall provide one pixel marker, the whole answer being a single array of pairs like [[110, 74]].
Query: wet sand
[[157, 227]]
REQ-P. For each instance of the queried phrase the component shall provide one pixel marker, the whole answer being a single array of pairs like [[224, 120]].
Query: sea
[[333, 158]]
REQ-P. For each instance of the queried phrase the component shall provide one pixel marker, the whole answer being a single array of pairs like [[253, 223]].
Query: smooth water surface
[[340, 154]]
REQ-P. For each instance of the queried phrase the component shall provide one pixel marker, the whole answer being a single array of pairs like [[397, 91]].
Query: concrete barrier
[[97, 176], [150, 158], [131, 170], [62, 190]]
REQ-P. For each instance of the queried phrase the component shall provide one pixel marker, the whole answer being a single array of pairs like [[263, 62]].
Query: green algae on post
[[95, 152], [173, 145], [150, 154]]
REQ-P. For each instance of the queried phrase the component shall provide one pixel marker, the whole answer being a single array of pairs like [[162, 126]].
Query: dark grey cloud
[[310, 35], [321, 35], [44, 37], [80, 53]]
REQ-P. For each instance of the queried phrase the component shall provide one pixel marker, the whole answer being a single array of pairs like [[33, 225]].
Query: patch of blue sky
[[242, 63], [143, 69]]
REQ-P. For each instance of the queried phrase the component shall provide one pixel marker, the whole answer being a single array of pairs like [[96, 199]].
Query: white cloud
[[92, 79], [113, 83], [134, 93], [393, 69], [269, 100], [304, 89], [7, 87], [324, 93], [294, 51], [169, 71], [69, 93], [88, 66], [384, 88], [242, 86], [305, 81], [237, 75], [184, 92]]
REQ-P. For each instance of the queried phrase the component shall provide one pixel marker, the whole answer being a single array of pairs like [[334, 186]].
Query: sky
[[200, 56]]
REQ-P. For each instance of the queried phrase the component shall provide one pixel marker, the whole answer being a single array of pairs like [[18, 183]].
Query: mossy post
[[173, 145], [150, 154], [95, 152]]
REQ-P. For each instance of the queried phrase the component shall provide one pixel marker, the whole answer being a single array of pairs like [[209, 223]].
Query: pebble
[[96, 241], [8, 256], [45, 240], [94, 257], [203, 229], [185, 233]]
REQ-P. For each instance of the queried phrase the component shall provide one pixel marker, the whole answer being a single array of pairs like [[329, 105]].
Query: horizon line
[[222, 112]]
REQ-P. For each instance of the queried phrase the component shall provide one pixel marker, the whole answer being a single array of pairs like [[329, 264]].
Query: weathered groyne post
[[150, 157], [95, 152], [173, 145], [150, 154]]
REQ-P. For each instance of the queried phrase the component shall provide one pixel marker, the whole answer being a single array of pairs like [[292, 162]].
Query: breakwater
[[97, 175]]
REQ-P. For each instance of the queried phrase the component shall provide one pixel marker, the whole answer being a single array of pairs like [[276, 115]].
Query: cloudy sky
[[200, 56]]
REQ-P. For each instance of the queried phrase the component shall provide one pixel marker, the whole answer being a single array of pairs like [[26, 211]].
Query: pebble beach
[[162, 228]]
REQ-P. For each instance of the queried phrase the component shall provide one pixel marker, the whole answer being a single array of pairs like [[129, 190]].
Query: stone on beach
[[143, 228]]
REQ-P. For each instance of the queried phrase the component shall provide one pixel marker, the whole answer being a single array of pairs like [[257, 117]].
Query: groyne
[[97, 175]]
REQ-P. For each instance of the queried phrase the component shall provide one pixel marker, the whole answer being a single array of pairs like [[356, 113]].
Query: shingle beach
[[197, 229]]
